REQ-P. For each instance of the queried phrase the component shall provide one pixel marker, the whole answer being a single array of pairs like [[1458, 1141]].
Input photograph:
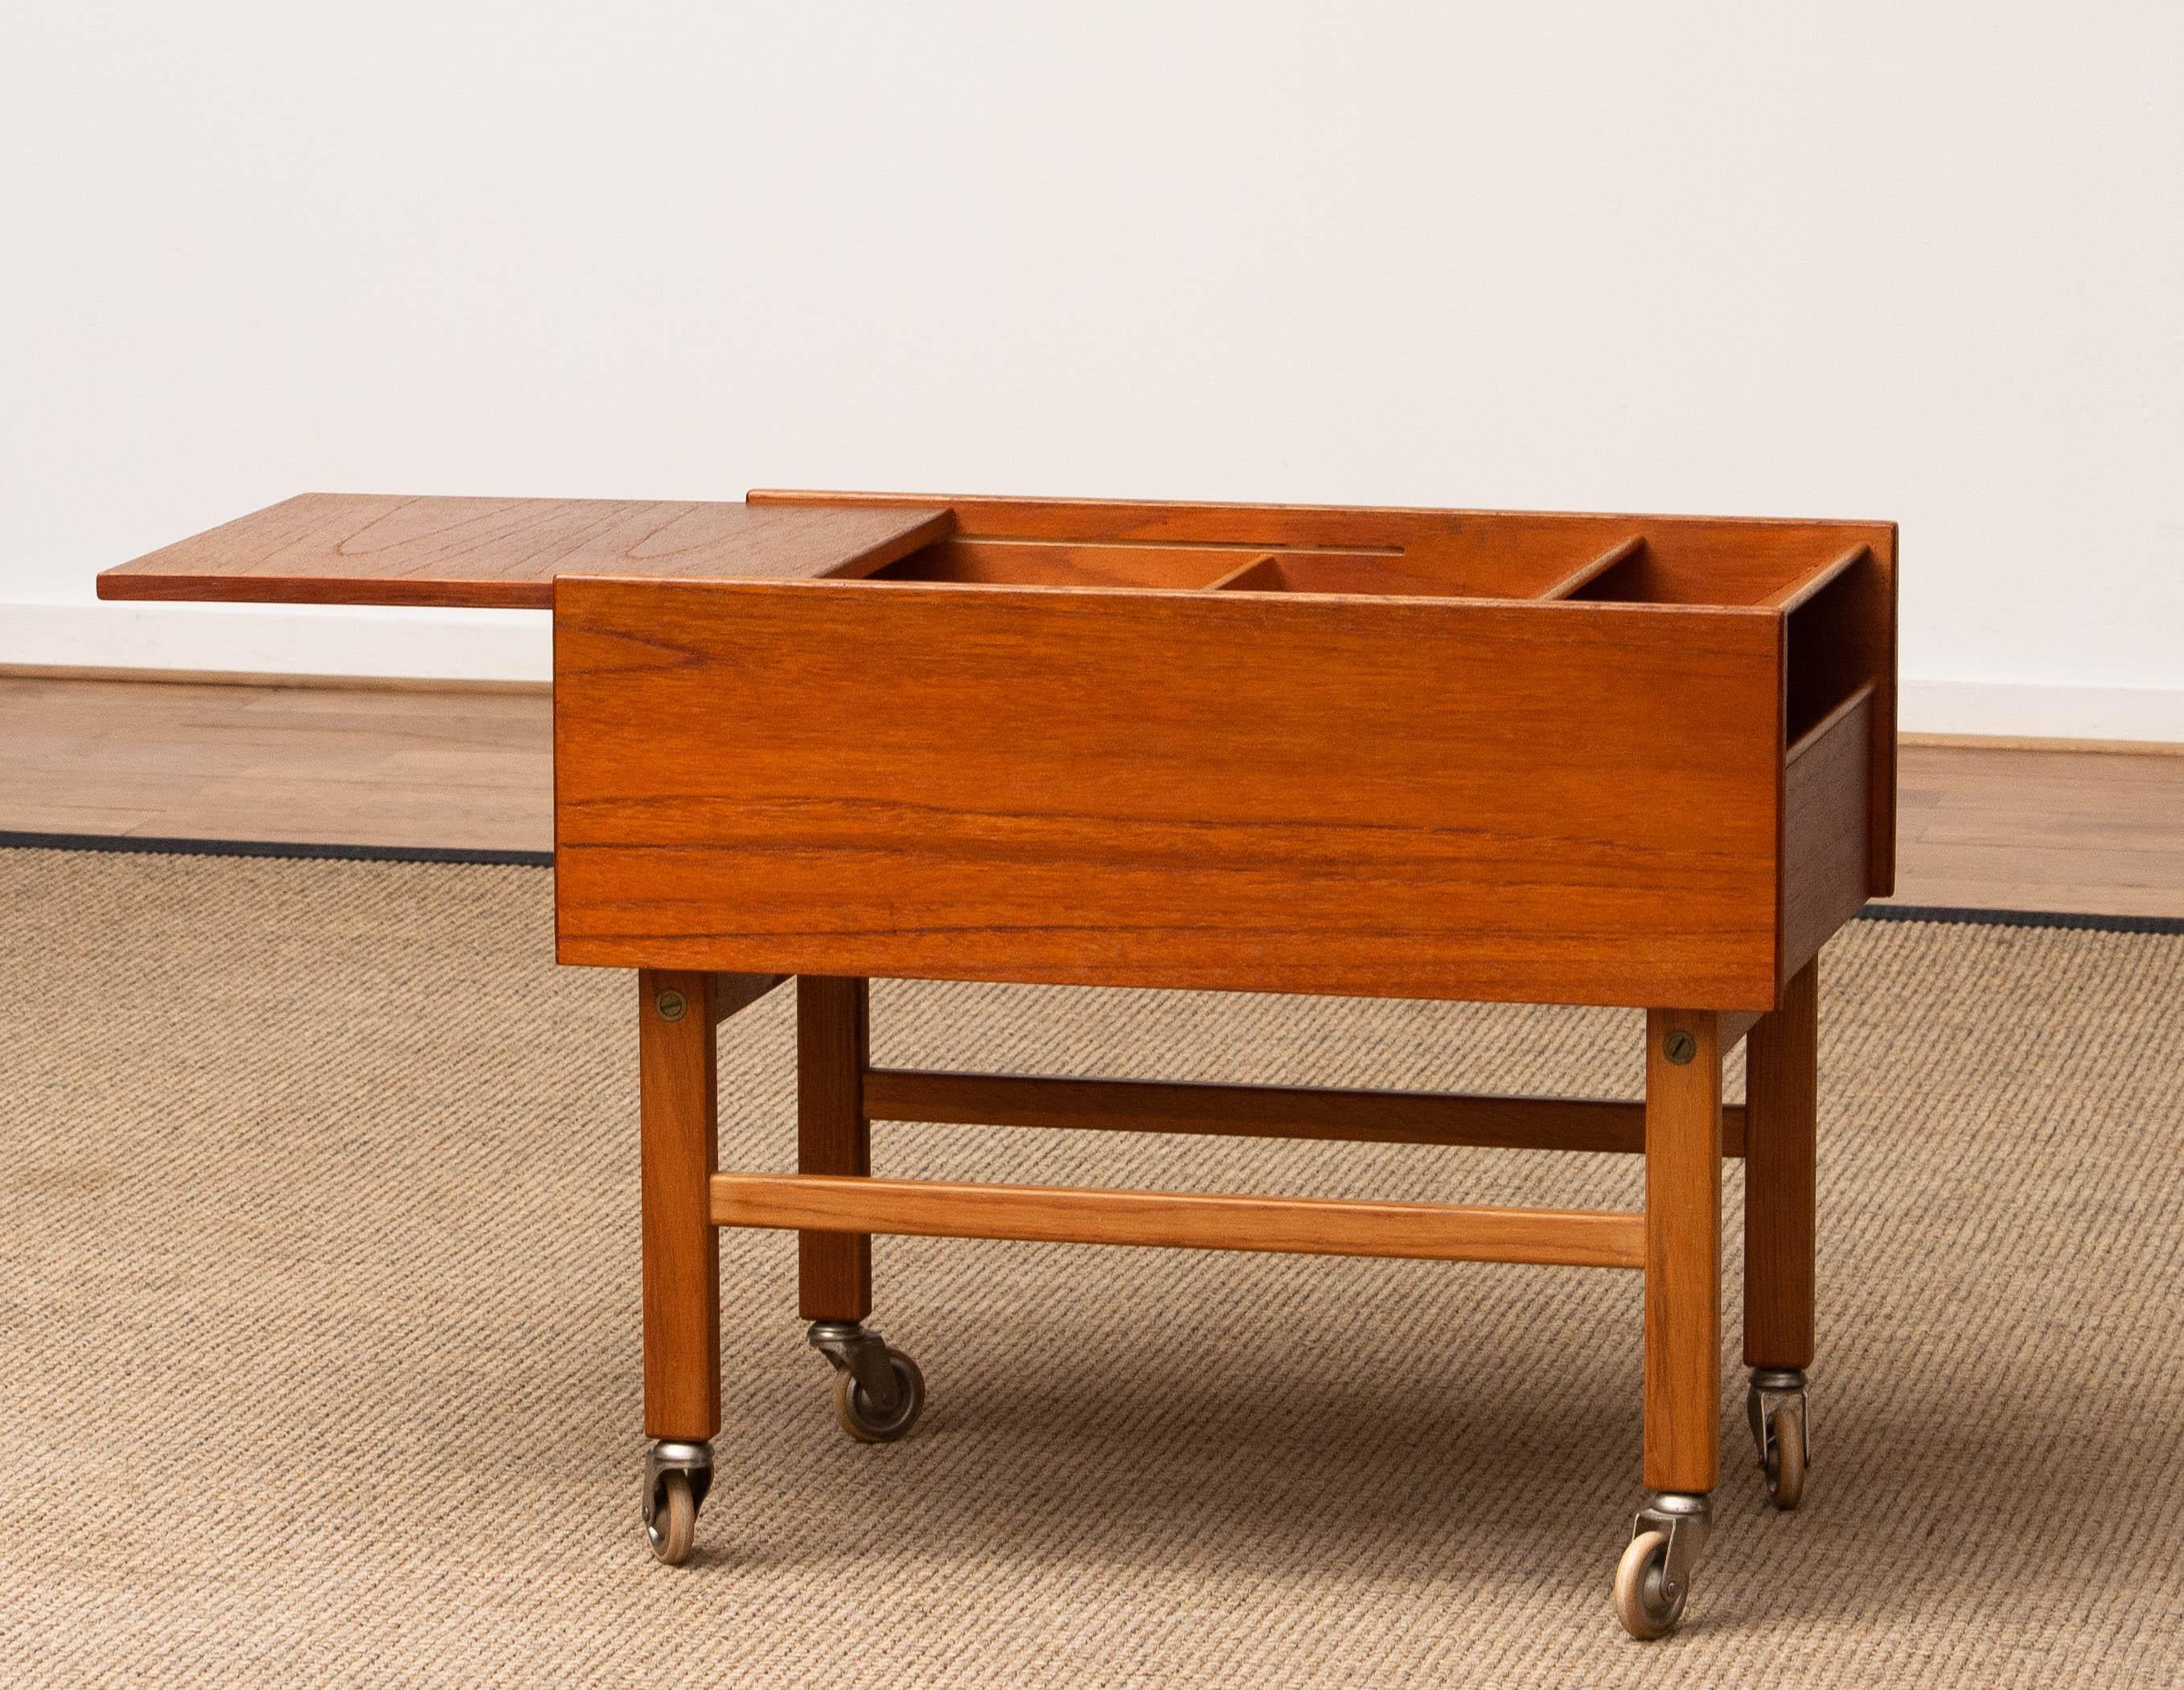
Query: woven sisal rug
[[319, 1334]]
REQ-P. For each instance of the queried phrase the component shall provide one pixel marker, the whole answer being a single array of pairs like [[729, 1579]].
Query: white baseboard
[[2012, 710], [380, 644], [359, 642]]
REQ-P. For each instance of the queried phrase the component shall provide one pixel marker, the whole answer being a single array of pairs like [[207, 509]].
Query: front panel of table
[[1569, 803]]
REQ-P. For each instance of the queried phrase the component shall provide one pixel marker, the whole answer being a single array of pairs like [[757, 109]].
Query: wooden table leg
[[1781, 1057], [833, 1136], [1683, 1319], [678, 1093], [1683, 1251]]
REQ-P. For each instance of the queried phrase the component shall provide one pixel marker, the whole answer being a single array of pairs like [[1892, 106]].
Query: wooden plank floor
[[2100, 832], [2097, 831], [321, 764]]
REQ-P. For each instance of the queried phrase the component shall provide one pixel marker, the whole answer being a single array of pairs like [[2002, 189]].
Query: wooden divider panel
[[1020, 563]]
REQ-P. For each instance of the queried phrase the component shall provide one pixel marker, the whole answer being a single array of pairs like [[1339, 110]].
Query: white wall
[[1918, 261]]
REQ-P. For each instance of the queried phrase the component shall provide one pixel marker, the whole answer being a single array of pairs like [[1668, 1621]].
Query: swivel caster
[[677, 1477], [1654, 1579], [878, 1392], [1781, 1430]]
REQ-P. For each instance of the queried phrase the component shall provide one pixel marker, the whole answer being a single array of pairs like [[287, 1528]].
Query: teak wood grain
[[1181, 1219], [677, 1107], [346, 548], [1564, 802], [1424, 1118], [1683, 1253]]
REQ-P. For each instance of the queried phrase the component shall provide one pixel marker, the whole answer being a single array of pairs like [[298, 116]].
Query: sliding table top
[[348, 548]]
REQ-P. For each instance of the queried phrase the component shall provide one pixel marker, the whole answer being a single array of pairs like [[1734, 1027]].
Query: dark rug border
[[128, 843], [132, 844], [2072, 919]]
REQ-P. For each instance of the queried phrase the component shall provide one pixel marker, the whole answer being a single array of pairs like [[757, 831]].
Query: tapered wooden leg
[[1683, 1250], [1781, 1057], [678, 1092], [833, 1136]]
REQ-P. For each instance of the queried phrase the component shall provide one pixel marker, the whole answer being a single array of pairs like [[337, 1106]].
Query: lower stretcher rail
[[1374, 1117], [1180, 1220]]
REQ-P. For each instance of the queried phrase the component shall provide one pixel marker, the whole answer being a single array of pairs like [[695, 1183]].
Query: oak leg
[[1683, 1251], [1781, 1057], [678, 1092], [833, 1136]]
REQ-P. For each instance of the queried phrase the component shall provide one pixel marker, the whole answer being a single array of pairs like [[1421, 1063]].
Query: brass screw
[[1680, 1048], [670, 1005]]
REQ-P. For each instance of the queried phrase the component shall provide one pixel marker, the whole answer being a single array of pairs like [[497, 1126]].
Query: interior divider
[[1624, 551], [1355, 573], [1090, 564], [1796, 593], [1837, 644], [1235, 577]]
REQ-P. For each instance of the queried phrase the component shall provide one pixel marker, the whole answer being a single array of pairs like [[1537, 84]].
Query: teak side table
[[1644, 761]]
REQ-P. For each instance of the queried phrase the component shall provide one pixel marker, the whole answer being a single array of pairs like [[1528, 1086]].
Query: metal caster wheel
[[674, 1525], [878, 1392], [1642, 1602], [677, 1477], [868, 1424], [1784, 1460], [1654, 1579], [1775, 1407]]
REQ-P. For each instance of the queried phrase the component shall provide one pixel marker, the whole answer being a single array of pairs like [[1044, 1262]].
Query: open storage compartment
[[1539, 571], [967, 560]]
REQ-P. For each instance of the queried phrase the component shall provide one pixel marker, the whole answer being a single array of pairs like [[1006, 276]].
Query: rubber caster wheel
[[1642, 1603], [853, 1404], [673, 1527], [1786, 1459]]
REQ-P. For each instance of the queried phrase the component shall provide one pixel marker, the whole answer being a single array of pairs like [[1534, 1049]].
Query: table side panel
[[1827, 794], [1565, 803], [1843, 638]]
